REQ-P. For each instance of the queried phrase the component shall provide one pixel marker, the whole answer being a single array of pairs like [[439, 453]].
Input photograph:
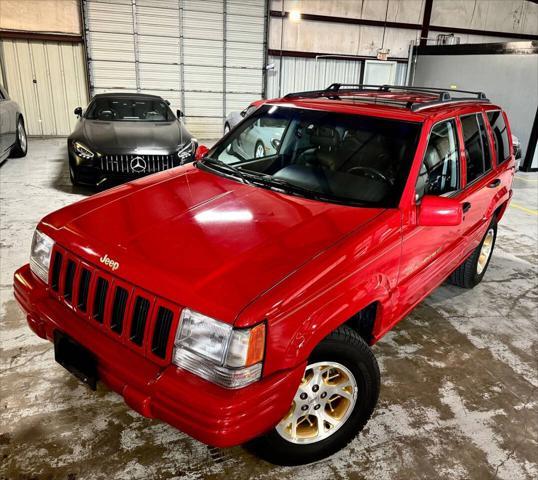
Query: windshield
[[129, 109], [329, 156]]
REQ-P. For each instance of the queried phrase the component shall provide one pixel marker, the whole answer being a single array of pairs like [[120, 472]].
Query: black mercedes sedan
[[121, 136]]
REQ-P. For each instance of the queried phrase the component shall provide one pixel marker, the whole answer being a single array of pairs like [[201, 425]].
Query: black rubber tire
[[345, 346], [17, 151], [466, 275]]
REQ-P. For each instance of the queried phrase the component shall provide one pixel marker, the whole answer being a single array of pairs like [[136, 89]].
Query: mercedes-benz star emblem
[[138, 165]]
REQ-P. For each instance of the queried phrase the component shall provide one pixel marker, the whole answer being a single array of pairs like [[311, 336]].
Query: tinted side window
[[476, 146], [439, 172], [500, 134]]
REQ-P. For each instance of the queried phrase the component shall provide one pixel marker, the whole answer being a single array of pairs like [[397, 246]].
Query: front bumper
[[207, 412], [90, 173]]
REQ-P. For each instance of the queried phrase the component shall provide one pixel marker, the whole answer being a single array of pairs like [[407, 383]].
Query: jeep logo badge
[[138, 165], [109, 262]]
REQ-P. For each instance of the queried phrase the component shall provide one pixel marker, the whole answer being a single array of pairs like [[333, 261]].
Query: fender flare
[[329, 318]]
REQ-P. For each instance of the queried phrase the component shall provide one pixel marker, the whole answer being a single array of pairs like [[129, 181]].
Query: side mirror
[[275, 142], [78, 111], [436, 211], [201, 152], [179, 113], [243, 113]]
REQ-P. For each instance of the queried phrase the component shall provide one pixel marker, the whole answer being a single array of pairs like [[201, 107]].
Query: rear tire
[[471, 272], [21, 143], [343, 349]]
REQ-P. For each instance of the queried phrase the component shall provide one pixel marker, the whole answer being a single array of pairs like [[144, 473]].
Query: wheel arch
[[364, 317]]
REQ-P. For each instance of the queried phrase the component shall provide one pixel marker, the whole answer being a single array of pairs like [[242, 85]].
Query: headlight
[[186, 152], [83, 151], [217, 352], [40, 255]]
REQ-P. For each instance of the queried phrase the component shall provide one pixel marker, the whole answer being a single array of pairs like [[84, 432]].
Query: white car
[[260, 139], [234, 118]]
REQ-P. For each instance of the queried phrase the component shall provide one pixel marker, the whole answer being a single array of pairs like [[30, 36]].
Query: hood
[[134, 137], [201, 240]]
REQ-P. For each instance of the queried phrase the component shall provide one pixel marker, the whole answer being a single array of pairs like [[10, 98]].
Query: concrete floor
[[459, 375]]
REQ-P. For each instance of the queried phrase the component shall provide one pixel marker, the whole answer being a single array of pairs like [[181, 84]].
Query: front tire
[[332, 405], [259, 149], [21, 143], [471, 272]]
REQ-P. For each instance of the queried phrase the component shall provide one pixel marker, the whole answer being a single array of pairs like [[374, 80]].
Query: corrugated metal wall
[[47, 80], [299, 74], [205, 57]]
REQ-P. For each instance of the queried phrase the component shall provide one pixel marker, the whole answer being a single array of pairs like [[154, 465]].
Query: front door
[[428, 252]]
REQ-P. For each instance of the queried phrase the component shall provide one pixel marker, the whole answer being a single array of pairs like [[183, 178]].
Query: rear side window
[[476, 146], [500, 134]]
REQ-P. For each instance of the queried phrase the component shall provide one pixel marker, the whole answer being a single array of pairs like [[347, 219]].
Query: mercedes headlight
[[187, 151], [218, 352], [83, 151], [40, 255]]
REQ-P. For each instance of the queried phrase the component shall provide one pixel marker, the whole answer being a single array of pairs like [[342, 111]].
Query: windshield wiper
[[288, 187], [217, 164], [277, 184]]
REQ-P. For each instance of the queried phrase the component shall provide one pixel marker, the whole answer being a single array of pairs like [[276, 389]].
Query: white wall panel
[[511, 16], [204, 52], [206, 79], [48, 80], [112, 47], [113, 75], [243, 80], [163, 50], [299, 74]]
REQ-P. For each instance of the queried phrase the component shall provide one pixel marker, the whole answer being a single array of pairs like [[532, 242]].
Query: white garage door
[[204, 56], [48, 81]]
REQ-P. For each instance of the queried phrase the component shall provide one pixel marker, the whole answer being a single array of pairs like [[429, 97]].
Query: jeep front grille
[[83, 289], [162, 331], [101, 289], [138, 164], [69, 278], [138, 323], [122, 310]]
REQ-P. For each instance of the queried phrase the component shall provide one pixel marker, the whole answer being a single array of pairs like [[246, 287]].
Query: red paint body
[[304, 266]]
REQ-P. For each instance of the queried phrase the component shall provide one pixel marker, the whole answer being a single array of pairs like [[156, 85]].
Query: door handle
[[466, 207], [495, 183]]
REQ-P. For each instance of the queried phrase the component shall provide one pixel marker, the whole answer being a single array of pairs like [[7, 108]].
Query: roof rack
[[444, 95]]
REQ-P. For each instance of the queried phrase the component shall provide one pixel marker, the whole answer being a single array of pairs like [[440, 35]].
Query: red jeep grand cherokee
[[253, 282]]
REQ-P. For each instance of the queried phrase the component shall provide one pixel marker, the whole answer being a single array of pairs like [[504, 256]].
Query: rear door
[[501, 139], [481, 181]]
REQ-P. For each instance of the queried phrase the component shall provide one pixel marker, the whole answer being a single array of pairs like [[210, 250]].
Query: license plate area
[[75, 358]]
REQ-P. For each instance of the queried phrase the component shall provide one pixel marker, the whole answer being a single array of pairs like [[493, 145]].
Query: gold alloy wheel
[[323, 403], [485, 251]]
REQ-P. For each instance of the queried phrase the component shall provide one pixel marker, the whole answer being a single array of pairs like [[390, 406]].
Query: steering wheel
[[369, 172]]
